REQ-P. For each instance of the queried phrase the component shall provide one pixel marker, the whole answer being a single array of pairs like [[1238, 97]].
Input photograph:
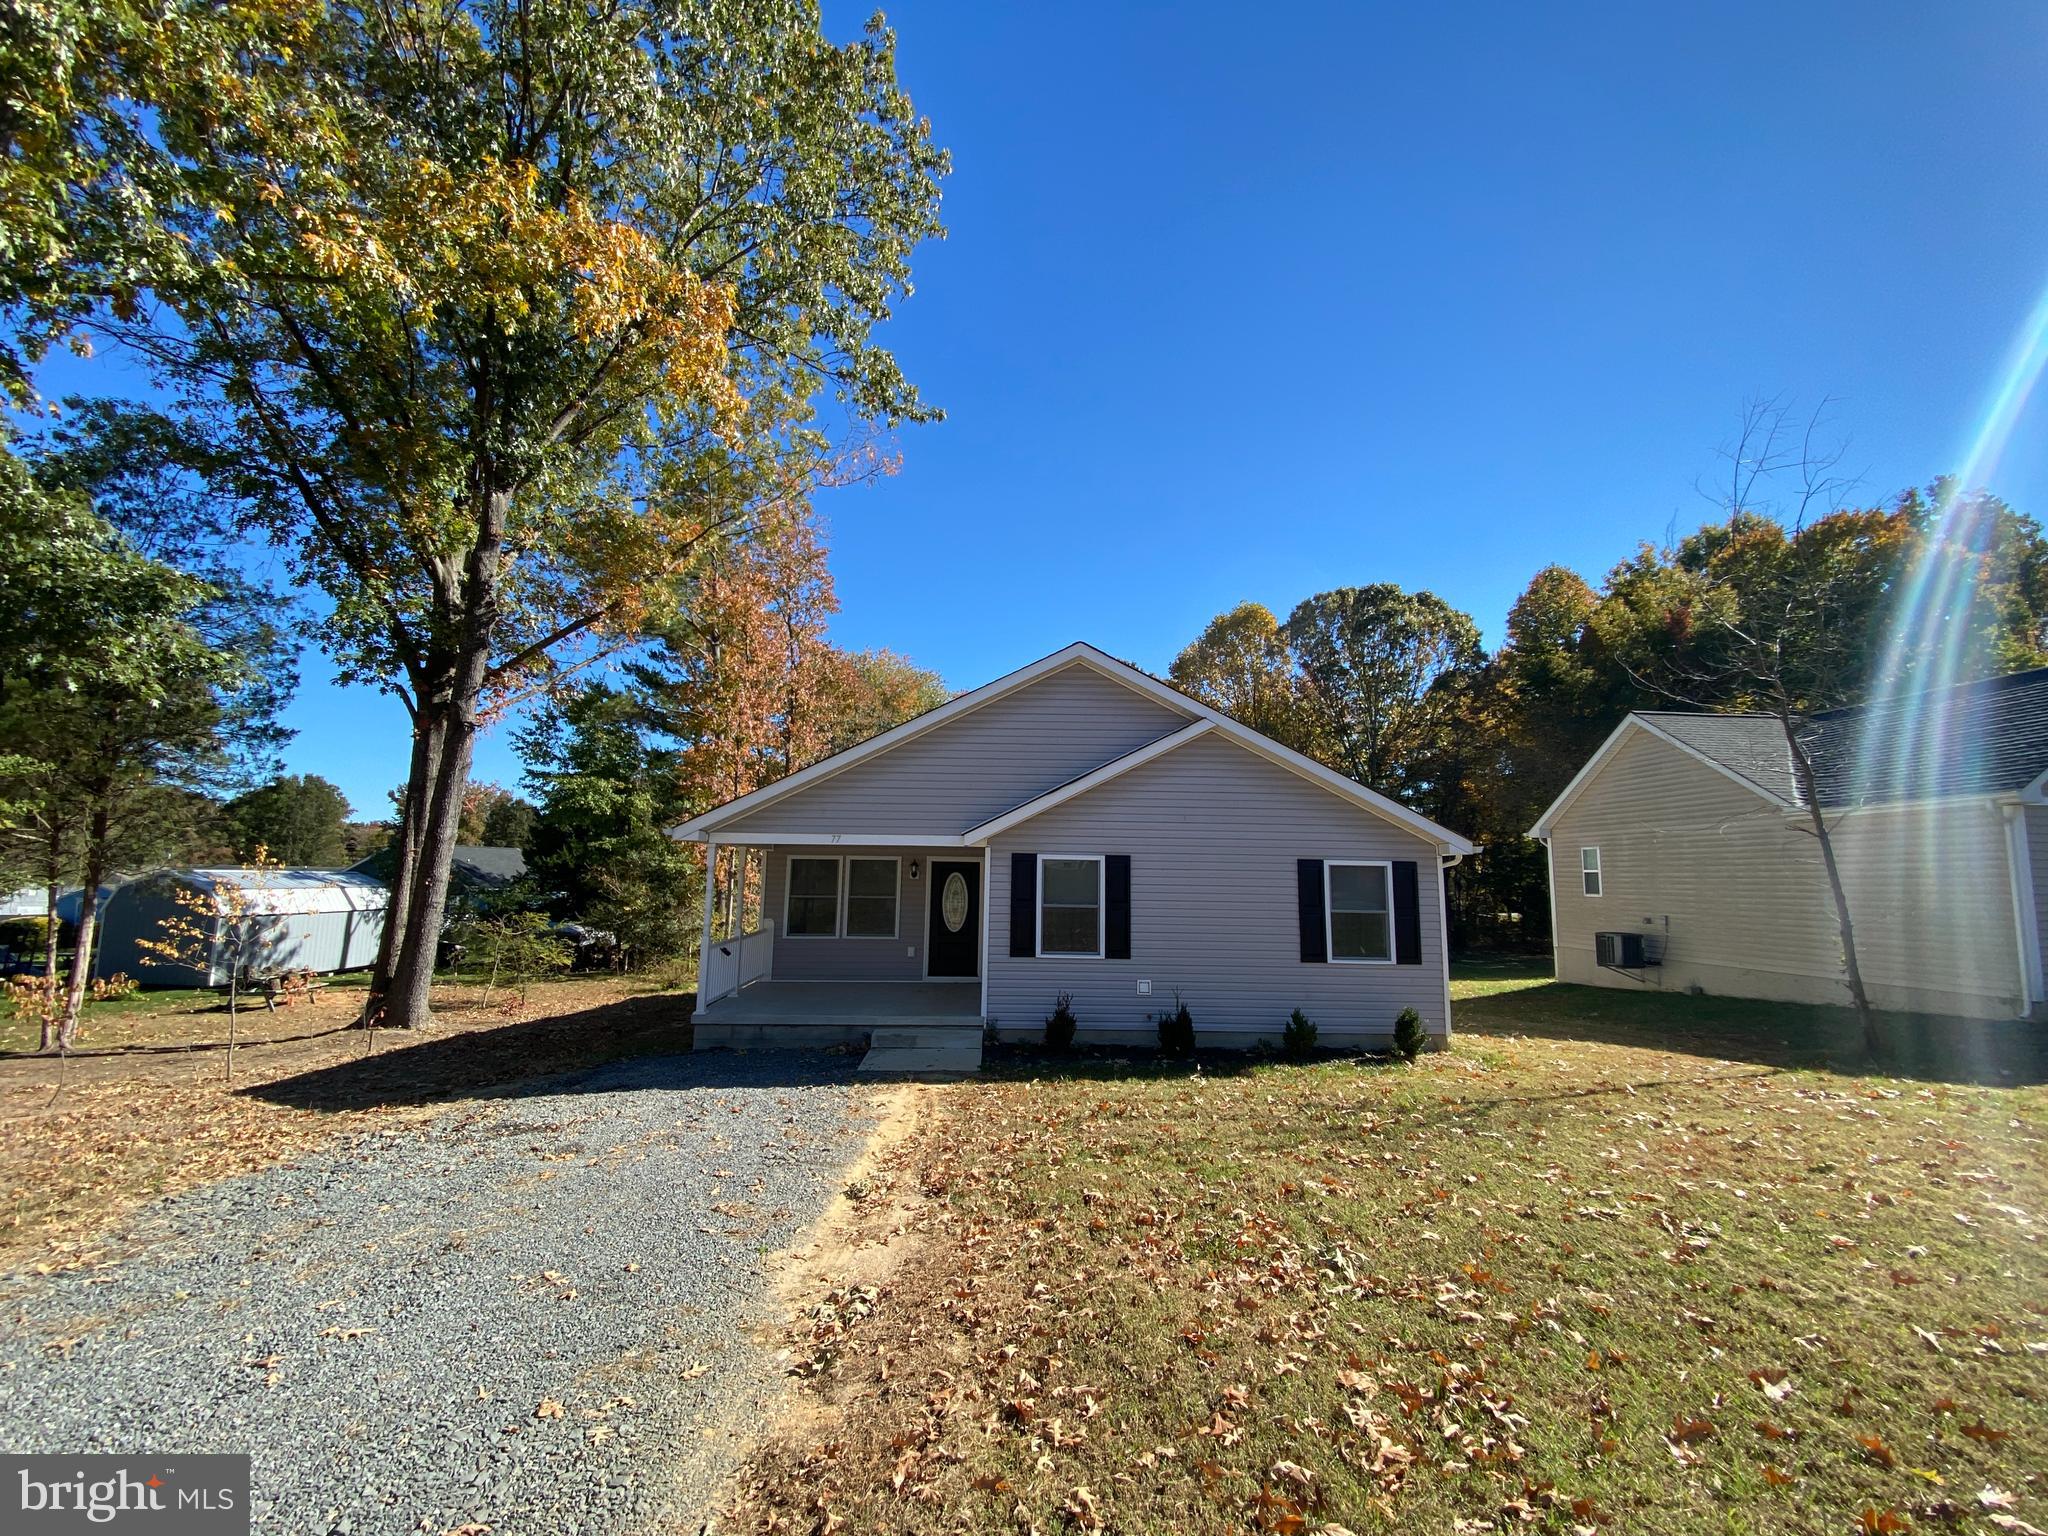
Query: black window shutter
[[1023, 905], [1315, 942], [1116, 916], [1407, 914]]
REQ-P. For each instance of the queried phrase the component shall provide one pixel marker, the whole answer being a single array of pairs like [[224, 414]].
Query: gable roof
[[1983, 738], [704, 828]]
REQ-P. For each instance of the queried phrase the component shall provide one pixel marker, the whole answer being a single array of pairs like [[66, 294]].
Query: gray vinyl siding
[[979, 765], [1735, 891], [1213, 832], [817, 958]]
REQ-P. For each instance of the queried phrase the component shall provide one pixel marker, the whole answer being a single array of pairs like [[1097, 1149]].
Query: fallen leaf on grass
[[2016, 1525], [1985, 1433], [548, 1409], [1994, 1498], [1882, 1522], [1776, 1478], [1774, 1383], [695, 1371], [1878, 1451], [1685, 1431]]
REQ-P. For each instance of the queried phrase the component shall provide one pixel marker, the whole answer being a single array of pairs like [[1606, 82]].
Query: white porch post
[[710, 907]]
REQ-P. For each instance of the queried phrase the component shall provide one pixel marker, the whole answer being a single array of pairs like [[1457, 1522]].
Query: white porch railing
[[730, 964]]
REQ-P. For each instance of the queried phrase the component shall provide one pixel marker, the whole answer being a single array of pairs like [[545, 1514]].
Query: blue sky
[[1246, 304]]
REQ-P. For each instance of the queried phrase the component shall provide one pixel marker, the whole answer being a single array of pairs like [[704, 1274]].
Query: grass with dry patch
[[1658, 1275], [84, 1141]]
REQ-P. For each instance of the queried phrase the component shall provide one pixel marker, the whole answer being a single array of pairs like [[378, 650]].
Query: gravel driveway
[[532, 1313]]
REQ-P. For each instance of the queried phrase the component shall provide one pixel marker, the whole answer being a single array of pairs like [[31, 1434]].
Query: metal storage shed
[[296, 920]]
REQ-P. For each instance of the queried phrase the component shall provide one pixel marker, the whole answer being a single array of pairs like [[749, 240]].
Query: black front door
[[955, 942]]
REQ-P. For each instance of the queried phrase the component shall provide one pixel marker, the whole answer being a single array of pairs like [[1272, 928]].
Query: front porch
[[920, 1028]]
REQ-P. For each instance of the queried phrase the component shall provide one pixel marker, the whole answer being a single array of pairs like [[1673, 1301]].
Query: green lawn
[[1612, 1262]]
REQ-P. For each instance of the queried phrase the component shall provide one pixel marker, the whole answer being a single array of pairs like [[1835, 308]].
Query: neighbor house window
[[1361, 911], [813, 905], [1070, 904], [1589, 871], [871, 898]]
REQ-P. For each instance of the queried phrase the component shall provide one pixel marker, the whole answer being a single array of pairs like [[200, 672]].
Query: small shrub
[[1408, 1036], [1300, 1038], [1176, 1029], [1059, 1028]]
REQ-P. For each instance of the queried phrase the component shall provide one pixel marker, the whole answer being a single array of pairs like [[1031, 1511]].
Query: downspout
[[1550, 889], [1448, 862], [2019, 866]]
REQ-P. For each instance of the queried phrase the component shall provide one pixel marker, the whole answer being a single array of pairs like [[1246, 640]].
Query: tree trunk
[[404, 868], [1802, 767], [88, 920], [447, 714], [49, 1035]]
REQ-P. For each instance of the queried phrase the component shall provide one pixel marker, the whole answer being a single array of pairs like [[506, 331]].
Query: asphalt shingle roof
[[1988, 737]]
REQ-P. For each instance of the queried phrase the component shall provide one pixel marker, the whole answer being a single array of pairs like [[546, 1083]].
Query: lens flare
[[1935, 629]]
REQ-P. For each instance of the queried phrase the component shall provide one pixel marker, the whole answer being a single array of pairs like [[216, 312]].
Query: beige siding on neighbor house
[[2037, 855], [1737, 895], [987, 761], [1213, 832]]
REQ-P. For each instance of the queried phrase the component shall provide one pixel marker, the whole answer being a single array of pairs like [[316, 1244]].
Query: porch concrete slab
[[923, 1060], [812, 1002]]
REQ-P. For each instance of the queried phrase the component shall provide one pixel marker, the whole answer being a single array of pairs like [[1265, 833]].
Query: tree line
[[508, 324], [1784, 609]]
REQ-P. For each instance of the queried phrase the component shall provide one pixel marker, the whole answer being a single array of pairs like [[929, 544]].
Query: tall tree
[[499, 313], [120, 702], [1385, 672], [1240, 664], [297, 821], [599, 850]]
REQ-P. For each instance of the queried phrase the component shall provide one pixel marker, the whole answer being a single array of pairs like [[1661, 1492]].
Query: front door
[[954, 947]]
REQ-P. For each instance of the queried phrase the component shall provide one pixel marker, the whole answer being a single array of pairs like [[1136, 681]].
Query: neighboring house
[[269, 921], [1688, 834], [474, 870], [1078, 826]]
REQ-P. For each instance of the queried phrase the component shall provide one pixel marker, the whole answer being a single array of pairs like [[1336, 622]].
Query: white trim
[[931, 908], [996, 826], [2026, 918], [1595, 869], [772, 839], [895, 932], [1101, 862], [1386, 868], [710, 881], [1571, 792], [1550, 885], [1444, 866], [789, 861], [1083, 654]]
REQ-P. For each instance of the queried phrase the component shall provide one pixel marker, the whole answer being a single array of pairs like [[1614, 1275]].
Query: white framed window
[[810, 907], [1358, 911], [1589, 871], [871, 897], [1070, 905]]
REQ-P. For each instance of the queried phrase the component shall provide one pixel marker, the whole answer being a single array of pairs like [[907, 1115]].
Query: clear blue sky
[[1249, 304]]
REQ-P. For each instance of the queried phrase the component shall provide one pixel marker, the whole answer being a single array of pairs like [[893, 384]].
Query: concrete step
[[924, 1060], [943, 1036]]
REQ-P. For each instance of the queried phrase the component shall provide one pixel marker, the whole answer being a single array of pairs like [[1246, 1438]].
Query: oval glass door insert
[[953, 901]]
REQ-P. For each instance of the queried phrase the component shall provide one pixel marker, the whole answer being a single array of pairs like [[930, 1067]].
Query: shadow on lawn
[[529, 1056], [1924, 1048]]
